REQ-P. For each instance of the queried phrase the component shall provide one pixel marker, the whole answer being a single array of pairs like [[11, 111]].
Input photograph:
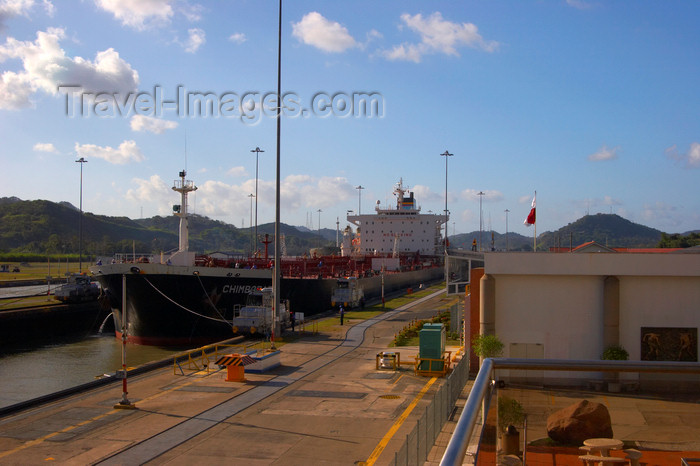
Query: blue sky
[[593, 104]]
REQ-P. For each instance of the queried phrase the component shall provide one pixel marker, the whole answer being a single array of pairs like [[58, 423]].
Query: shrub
[[615, 353], [510, 412], [487, 346]]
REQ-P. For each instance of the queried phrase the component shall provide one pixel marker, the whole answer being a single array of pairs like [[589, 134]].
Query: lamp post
[[506, 211], [276, 279], [359, 202], [81, 161], [481, 223], [252, 244], [319, 228], [257, 151], [446, 154]]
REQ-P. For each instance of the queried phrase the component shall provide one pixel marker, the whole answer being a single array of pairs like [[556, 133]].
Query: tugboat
[[79, 288]]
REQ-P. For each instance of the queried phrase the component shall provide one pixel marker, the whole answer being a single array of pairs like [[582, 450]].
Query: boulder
[[578, 422]]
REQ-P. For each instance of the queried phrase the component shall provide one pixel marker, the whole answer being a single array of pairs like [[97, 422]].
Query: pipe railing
[[457, 447]]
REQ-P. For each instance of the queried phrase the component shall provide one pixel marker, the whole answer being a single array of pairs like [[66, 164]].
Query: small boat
[[79, 288]]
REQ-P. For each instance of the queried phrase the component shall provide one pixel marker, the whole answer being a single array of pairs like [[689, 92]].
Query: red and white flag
[[530, 220]]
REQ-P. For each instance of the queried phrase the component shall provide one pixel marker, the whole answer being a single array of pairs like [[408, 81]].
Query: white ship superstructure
[[403, 229]]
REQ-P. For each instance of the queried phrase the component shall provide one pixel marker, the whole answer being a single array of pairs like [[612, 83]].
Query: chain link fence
[[422, 437]]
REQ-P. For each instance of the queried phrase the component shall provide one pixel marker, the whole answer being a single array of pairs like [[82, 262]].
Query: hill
[[489, 239], [47, 227], [607, 229]]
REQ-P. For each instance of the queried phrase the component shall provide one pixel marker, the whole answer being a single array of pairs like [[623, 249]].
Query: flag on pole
[[530, 220]]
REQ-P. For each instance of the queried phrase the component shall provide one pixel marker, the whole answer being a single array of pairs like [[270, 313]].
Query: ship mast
[[182, 186]]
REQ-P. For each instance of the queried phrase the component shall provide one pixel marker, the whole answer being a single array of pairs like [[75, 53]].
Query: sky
[[594, 105]]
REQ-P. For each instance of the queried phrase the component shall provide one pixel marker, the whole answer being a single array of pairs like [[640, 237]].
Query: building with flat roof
[[575, 305]]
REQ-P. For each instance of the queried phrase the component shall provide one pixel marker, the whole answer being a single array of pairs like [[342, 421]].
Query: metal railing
[[202, 358], [478, 402]]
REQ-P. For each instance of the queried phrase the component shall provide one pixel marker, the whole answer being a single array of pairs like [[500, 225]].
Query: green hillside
[[49, 228], [46, 227], [606, 229]]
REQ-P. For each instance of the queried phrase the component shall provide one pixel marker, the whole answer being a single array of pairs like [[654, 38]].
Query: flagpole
[[534, 240]]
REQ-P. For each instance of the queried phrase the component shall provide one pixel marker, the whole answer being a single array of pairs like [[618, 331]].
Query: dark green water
[[36, 370]]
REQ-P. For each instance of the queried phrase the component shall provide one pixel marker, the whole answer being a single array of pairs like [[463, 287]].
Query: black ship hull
[[178, 306]]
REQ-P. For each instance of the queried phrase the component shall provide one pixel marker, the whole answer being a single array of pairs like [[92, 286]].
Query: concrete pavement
[[326, 404]]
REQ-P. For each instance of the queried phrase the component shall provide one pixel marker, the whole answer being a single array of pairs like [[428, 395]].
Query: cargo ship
[[185, 299]]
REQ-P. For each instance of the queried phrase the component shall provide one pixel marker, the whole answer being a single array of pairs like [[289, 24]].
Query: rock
[[578, 422]]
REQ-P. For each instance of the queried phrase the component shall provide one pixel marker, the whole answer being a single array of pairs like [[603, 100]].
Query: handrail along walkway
[[459, 442]]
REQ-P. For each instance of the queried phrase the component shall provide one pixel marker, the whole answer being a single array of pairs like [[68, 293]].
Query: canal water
[[37, 369]]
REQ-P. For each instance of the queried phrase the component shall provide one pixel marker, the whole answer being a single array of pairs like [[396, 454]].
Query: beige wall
[[656, 302], [564, 313], [557, 299]]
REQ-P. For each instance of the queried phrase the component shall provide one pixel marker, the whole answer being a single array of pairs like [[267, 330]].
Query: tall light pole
[[481, 223], [277, 278], [446, 154], [257, 151], [319, 227], [506, 211], [252, 244], [359, 202], [81, 161]]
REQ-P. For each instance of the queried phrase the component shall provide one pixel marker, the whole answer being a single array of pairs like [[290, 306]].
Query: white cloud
[[193, 12], [604, 154], [15, 91], [578, 4], [298, 192], [12, 8], [238, 38], [317, 31], [691, 159], [153, 190], [46, 67], [488, 196], [151, 124], [126, 152], [610, 201], [237, 171], [437, 36], [424, 194], [45, 147], [660, 213], [139, 14], [195, 39]]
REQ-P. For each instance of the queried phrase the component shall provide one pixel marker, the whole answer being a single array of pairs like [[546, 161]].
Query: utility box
[[431, 346]]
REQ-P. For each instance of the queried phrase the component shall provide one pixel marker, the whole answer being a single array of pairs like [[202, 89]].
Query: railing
[[478, 402], [202, 358], [421, 439]]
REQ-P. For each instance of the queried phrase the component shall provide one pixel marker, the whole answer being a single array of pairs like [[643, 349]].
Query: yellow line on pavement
[[385, 441]]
